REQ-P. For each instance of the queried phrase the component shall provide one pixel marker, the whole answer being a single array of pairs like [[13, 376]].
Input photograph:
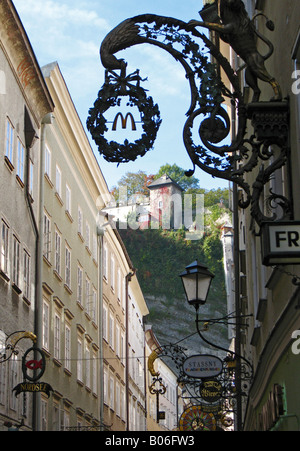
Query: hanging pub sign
[[202, 366], [33, 368], [280, 243]]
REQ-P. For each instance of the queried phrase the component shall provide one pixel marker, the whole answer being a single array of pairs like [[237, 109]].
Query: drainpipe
[[47, 120], [127, 280], [30, 137], [100, 234]]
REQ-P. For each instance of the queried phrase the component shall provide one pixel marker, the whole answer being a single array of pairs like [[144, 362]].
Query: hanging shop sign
[[33, 368], [33, 387], [195, 419], [33, 364], [211, 390], [280, 243], [202, 366]]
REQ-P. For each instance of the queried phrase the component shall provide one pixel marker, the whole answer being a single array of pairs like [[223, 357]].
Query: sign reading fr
[[280, 243]]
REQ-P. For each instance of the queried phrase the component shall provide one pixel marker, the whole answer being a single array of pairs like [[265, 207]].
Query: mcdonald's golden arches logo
[[124, 121]]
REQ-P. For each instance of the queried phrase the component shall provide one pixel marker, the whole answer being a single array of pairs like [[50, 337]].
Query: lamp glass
[[196, 281]]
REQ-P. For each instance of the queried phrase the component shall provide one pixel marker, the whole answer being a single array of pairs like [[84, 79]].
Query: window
[[16, 262], [56, 417], [4, 247], [44, 414], [68, 347], [112, 272], [68, 199], [122, 348], [68, 267], [94, 306], [30, 181], [87, 296], [47, 237], [117, 340], [94, 362], [123, 403], [48, 162], [87, 235], [119, 287], [46, 325], [80, 221], [111, 393], [95, 248], [13, 367], [104, 322], [20, 162], [87, 367], [58, 181], [111, 331], [105, 386], [26, 269], [57, 264], [79, 360], [3, 389], [9, 140], [118, 399], [79, 285], [65, 420], [57, 336], [105, 262]]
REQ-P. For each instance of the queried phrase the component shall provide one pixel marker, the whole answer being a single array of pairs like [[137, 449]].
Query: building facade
[[24, 104], [268, 291], [169, 404], [69, 321], [137, 310]]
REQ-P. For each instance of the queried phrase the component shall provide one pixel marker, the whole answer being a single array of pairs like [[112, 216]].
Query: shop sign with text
[[33, 368], [280, 243], [202, 366]]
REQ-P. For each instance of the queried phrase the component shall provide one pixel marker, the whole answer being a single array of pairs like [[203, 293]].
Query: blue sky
[[71, 31]]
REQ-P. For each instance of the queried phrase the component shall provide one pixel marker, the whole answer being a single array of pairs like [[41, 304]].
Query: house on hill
[[163, 207]]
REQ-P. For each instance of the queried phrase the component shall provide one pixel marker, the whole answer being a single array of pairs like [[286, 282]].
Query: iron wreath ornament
[[203, 63]]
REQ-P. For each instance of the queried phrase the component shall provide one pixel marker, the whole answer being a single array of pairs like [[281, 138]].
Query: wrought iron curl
[[231, 161]]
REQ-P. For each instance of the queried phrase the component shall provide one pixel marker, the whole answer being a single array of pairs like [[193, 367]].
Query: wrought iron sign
[[210, 386], [33, 368], [208, 123], [11, 341]]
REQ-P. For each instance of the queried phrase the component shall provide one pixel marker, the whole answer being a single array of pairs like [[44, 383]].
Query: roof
[[164, 180]]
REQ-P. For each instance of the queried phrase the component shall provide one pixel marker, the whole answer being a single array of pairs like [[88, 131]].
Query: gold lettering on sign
[[124, 121]]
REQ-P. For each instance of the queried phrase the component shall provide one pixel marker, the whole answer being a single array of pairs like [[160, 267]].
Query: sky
[[71, 31]]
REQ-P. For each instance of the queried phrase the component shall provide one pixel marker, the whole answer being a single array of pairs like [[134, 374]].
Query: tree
[[178, 175], [136, 184]]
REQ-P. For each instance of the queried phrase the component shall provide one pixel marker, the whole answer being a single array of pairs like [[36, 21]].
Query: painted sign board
[[202, 366], [280, 243]]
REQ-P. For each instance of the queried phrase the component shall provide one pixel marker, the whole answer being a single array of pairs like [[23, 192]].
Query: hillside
[[159, 257]]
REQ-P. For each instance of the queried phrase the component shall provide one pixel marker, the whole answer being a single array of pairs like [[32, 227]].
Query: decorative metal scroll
[[10, 345], [208, 128], [214, 394]]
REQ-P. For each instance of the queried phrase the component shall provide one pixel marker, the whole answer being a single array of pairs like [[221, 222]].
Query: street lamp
[[196, 281]]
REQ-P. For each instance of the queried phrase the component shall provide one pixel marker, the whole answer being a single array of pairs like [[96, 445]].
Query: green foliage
[[161, 255], [178, 175]]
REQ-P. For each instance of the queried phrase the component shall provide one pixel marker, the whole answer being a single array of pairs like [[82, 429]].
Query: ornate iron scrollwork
[[216, 394], [208, 146], [11, 341]]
